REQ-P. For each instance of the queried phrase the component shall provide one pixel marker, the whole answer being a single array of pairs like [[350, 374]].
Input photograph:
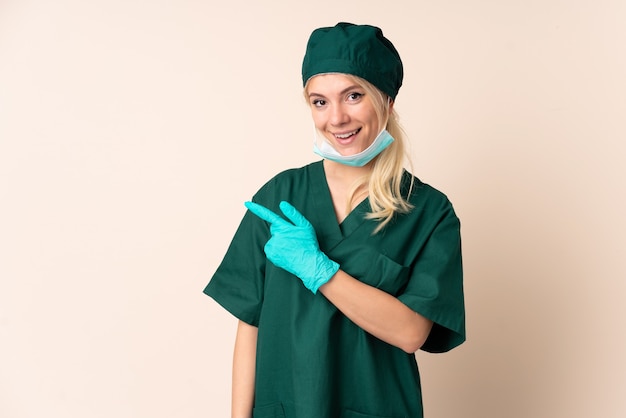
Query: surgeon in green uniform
[[340, 270]]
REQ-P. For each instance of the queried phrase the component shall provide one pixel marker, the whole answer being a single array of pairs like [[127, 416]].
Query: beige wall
[[132, 131]]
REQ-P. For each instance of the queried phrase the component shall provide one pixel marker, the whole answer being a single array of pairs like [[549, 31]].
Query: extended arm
[[244, 362], [294, 247], [377, 312]]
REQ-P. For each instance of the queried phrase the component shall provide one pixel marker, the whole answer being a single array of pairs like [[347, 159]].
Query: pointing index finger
[[264, 213], [293, 215]]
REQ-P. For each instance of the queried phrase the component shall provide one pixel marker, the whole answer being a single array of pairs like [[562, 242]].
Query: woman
[[342, 269]]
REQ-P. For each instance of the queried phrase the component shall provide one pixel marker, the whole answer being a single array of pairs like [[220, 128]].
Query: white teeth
[[348, 135]]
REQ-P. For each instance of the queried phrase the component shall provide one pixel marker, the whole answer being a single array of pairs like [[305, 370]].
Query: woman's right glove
[[293, 246]]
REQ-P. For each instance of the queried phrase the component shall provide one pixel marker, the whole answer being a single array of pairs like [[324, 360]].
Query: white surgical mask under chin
[[325, 150]]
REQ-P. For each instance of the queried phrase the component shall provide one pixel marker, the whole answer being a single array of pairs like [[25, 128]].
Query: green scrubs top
[[312, 361]]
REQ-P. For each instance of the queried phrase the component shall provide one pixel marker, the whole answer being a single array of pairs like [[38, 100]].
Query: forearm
[[377, 312], [244, 363]]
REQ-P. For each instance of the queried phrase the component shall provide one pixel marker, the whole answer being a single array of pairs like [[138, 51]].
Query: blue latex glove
[[294, 247]]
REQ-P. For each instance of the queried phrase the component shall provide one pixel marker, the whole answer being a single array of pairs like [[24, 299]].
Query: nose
[[339, 115]]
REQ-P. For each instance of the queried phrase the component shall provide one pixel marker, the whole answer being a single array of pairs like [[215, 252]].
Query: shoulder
[[421, 193], [429, 204], [289, 181], [295, 174]]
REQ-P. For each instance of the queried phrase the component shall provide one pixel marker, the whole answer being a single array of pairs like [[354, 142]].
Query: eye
[[318, 102], [354, 96]]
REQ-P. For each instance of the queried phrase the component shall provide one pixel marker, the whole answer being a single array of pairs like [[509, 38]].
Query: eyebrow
[[342, 92]]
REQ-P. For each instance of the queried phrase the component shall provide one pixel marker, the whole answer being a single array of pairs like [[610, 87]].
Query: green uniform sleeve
[[238, 282], [435, 288]]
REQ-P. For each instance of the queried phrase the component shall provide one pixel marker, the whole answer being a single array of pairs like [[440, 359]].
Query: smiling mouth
[[347, 134]]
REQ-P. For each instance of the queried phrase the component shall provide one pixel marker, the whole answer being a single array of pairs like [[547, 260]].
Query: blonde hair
[[384, 182]]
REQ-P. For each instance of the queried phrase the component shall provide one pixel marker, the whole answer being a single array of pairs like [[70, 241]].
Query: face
[[342, 112]]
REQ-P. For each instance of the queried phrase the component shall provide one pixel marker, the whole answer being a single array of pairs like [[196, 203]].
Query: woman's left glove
[[294, 247]]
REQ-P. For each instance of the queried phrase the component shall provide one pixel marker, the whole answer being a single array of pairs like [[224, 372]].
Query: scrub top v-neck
[[312, 361], [333, 232]]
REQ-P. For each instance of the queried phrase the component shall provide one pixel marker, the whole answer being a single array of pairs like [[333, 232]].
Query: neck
[[342, 180], [344, 172]]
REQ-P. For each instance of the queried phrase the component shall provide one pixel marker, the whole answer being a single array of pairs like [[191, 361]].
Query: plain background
[[132, 131]]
